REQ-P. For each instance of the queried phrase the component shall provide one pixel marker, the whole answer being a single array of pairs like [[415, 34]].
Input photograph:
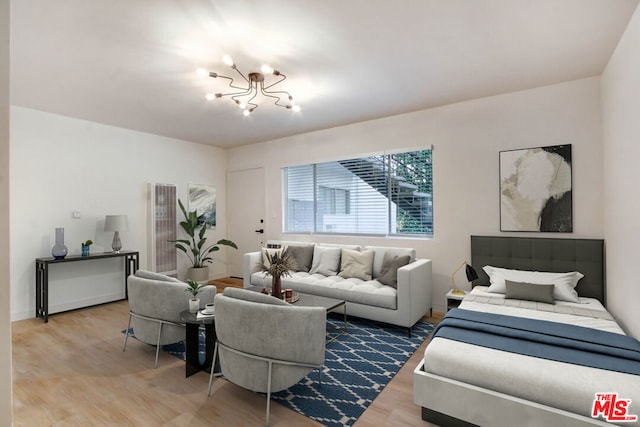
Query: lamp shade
[[472, 274], [116, 223]]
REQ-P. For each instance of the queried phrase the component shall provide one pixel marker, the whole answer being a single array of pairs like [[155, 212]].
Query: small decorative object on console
[[85, 247], [59, 250], [116, 223]]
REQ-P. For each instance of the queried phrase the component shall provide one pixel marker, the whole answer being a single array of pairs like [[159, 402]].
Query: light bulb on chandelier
[[256, 85]]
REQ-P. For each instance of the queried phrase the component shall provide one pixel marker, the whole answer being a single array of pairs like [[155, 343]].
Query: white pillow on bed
[[562, 291]]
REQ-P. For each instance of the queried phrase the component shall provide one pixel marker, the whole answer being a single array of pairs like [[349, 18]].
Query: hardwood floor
[[72, 372]]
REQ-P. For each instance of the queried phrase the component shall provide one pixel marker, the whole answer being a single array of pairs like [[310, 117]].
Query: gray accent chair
[[155, 303], [265, 344]]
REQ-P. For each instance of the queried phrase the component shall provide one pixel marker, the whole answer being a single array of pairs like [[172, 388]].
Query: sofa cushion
[[356, 264], [326, 260], [302, 255], [382, 250], [369, 292], [389, 270], [271, 252]]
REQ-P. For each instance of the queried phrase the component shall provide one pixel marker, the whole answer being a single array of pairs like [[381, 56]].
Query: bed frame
[[544, 254], [448, 402]]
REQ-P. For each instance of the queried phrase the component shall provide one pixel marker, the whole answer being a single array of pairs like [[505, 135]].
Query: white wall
[[467, 138], [621, 106], [59, 165], [5, 288]]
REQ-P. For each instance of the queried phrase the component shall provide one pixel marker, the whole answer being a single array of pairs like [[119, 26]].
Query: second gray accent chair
[[155, 304], [264, 344]]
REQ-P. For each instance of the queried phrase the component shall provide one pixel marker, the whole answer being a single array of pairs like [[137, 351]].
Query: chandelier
[[256, 84]]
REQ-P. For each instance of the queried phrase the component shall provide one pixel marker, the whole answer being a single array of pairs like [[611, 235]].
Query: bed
[[458, 383]]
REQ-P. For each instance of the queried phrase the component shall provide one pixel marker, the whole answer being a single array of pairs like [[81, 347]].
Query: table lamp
[[471, 276], [116, 223]]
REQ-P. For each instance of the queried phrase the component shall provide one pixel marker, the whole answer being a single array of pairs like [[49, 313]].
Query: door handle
[[261, 231]]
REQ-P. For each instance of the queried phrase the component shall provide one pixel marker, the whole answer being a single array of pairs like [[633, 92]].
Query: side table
[[131, 264], [454, 300], [192, 344]]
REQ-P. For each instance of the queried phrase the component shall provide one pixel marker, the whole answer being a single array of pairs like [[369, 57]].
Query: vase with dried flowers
[[277, 264]]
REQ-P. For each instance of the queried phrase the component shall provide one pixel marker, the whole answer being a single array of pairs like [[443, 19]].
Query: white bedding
[[556, 384]]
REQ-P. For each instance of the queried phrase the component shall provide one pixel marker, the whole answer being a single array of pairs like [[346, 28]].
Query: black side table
[[192, 323]]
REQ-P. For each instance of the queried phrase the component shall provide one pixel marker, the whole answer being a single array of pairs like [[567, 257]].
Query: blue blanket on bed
[[543, 339]]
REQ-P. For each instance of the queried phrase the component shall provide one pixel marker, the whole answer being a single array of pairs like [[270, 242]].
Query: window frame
[[391, 209]]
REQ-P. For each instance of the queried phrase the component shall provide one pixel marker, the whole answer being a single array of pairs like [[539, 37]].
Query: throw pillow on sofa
[[356, 264], [271, 252], [389, 270], [303, 255], [326, 261]]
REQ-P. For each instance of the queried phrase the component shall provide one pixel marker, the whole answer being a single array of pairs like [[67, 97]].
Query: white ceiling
[[131, 63]]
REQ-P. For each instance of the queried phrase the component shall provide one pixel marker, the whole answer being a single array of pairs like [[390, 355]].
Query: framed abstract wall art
[[202, 199], [535, 189]]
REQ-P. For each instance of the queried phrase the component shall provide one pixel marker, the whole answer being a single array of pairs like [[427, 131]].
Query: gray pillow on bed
[[529, 291]]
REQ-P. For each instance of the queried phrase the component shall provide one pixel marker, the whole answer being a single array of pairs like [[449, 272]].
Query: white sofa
[[402, 306]]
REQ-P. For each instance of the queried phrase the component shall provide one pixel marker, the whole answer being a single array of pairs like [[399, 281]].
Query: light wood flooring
[[72, 372]]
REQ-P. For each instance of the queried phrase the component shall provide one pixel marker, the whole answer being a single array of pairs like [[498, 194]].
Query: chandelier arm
[[234, 94], [243, 76], [276, 82], [278, 98], [231, 82], [248, 102], [271, 94], [240, 94]]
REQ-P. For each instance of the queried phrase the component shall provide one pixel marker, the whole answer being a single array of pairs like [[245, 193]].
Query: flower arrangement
[[279, 264]]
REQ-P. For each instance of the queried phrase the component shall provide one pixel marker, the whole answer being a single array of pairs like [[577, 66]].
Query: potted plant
[[195, 247], [280, 263], [194, 289], [85, 247]]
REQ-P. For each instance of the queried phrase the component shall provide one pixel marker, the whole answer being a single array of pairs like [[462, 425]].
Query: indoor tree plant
[[195, 247], [194, 289], [279, 263]]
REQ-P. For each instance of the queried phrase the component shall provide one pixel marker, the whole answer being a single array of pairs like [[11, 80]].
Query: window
[[378, 195]]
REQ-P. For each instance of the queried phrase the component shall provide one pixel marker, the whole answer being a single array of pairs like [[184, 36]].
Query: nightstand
[[454, 300]]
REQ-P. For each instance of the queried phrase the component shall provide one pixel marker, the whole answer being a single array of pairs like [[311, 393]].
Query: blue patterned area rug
[[358, 365]]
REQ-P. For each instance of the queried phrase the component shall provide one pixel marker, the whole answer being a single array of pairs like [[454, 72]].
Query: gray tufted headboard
[[543, 254]]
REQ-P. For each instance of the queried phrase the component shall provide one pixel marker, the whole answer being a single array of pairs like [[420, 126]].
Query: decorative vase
[[276, 287], [194, 305], [59, 250], [85, 250]]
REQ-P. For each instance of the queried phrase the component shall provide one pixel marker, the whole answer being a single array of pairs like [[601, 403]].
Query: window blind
[[375, 195]]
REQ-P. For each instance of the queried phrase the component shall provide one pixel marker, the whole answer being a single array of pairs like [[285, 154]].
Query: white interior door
[[246, 215]]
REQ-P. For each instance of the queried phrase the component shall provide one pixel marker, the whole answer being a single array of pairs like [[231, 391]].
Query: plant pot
[[200, 274], [85, 250], [194, 305]]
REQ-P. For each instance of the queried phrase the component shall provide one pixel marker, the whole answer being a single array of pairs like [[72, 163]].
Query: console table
[[131, 263]]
